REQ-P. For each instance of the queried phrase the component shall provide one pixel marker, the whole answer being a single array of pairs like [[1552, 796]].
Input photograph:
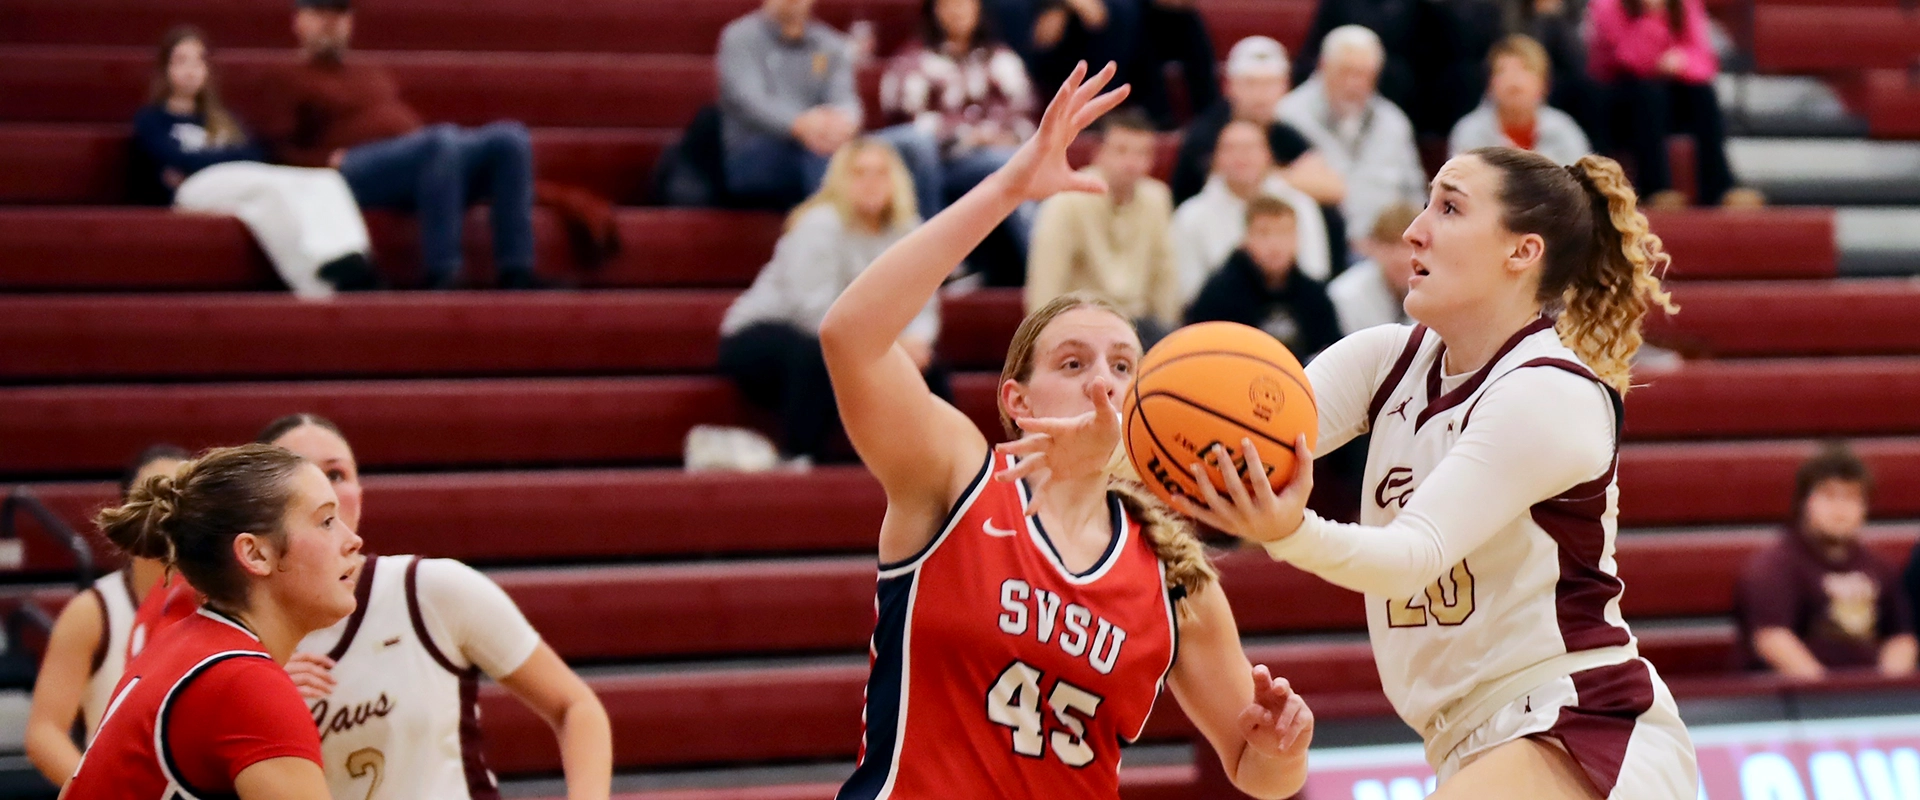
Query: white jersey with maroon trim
[[114, 592], [402, 721], [1520, 591]]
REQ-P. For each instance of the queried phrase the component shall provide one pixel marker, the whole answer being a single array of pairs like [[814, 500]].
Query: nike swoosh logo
[[990, 529]]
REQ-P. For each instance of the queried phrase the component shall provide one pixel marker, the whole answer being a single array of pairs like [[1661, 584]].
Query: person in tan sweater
[[328, 110], [1117, 245]]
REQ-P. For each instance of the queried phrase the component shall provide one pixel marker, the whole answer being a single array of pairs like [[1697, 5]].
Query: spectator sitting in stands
[[1374, 291], [1557, 26], [1366, 138], [788, 102], [1399, 25], [1211, 225], [770, 340], [1116, 245], [332, 111], [1657, 61], [1515, 113], [195, 155], [1818, 600], [1261, 286], [1256, 81], [967, 91]]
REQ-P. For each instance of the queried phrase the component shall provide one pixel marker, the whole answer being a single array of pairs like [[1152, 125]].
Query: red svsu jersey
[[1000, 673], [193, 711]]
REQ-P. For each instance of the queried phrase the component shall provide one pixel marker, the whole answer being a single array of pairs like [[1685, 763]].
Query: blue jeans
[[778, 167], [435, 172]]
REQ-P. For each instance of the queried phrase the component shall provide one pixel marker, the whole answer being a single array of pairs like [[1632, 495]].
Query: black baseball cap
[[324, 5]]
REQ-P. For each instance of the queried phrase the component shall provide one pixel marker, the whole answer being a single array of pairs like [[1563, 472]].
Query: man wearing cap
[[1257, 78], [328, 110]]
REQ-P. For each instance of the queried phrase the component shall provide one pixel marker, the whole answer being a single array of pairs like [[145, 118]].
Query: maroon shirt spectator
[[329, 110], [1818, 600]]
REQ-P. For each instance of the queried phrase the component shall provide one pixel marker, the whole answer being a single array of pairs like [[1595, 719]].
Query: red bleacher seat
[[1847, 317], [1789, 38], [575, 515], [1891, 101]]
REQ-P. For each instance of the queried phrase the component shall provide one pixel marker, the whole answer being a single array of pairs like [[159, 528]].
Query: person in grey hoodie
[[788, 102], [770, 336]]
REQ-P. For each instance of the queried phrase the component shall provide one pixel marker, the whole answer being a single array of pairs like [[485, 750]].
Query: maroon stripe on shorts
[[1399, 373], [1597, 727]]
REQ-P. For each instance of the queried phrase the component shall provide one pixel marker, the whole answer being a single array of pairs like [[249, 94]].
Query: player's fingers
[[1055, 425], [1057, 113], [1251, 720], [1091, 87], [1208, 495], [1236, 486], [1100, 106], [1023, 468], [1257, 474], [1301, 484], [1262, 683], [1029, 444], [1185, 505]]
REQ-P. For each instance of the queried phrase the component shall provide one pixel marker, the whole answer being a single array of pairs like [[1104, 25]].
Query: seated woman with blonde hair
[[770, 337]]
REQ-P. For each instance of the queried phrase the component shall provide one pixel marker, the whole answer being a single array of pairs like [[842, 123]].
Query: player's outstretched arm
[[922, 449], [552, 689], [58, 689], [1256, 724]]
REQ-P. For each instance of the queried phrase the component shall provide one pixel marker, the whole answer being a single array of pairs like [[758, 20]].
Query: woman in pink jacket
[[1656, 59]]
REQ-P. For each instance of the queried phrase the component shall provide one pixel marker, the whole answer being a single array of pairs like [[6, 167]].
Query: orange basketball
[[1216, 383]]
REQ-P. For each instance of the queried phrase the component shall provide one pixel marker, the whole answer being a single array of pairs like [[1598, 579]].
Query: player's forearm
[[1265, 775], [863, 324], [52, 752], [586, 749]]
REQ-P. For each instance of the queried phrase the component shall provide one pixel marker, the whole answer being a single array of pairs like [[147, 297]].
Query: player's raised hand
[[312, 674], [1039, 169], [1277, 723], [1083, 444], [1251, 509]]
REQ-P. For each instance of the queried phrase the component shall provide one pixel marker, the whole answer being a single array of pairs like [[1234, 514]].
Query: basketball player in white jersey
[[1486, 542], [90, 644], [394, 686]]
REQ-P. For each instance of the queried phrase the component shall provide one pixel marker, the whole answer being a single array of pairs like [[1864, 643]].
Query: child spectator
[[1116, 245], [1260, 285], [1211, 225], [332, 111], [1817, 600], [1656, 59], [1374, 291], [195, 155], [1366, 138], [1515, 113], [770, 337]]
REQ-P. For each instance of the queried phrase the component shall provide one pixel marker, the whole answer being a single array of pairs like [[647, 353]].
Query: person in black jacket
[[1259, 285]]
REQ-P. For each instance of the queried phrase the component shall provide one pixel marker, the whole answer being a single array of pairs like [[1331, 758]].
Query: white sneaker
[[720, 448]]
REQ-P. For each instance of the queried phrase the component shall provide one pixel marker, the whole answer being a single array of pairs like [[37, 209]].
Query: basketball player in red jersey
[[1030, 605], [253, 529]]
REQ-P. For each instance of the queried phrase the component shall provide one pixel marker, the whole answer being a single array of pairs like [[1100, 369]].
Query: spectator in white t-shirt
[[1374, 291], [1212, 224]]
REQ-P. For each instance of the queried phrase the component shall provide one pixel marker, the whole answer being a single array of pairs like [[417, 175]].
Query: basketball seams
[[1294, 373]]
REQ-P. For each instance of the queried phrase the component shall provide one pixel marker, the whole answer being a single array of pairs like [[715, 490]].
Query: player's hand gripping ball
[[1216, 383]]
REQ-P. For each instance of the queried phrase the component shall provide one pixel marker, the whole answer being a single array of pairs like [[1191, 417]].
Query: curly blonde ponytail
[[1606, 304], [1602, 267]]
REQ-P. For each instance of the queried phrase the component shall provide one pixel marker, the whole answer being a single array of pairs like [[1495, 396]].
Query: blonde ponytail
[[1605, 305]]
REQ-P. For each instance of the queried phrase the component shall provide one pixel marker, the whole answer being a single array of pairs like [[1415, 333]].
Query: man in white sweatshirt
[[1209, 226]]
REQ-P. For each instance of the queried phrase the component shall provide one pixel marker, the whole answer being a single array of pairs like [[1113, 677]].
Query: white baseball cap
[[1257, 55]]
